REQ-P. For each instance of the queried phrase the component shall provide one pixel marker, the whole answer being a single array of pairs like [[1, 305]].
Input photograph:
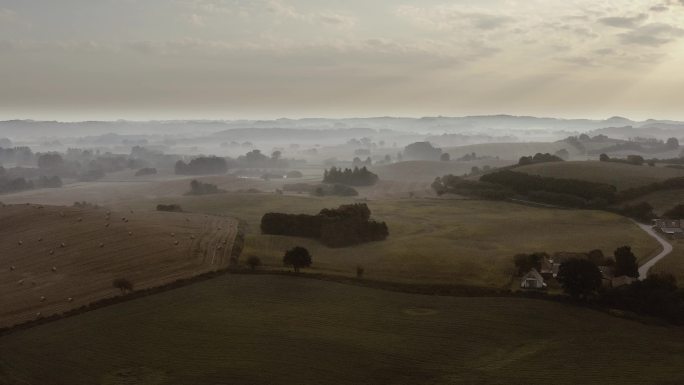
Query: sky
[[229, 59]]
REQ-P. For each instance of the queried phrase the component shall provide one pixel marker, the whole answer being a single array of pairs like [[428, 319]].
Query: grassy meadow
[[622, 176], [431, 240], [242, 329]]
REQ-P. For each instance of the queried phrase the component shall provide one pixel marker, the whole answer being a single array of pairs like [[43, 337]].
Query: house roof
[[622, 280], [533, 274]]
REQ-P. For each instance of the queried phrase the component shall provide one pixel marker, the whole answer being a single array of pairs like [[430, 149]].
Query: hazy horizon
[[218, 59]]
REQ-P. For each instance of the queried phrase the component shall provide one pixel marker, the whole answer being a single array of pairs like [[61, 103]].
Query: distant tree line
[[170, 208], [345, 226], [202, 166], [451, 184], [636, 160], [351, 177], [539, 158], [201, 188], [591, 194]]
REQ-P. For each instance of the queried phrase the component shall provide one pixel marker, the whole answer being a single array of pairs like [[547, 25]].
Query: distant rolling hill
[[509, 151], [427, 171]]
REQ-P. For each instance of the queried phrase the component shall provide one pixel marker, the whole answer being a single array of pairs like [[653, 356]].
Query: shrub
[[123, 284], [200, 188], [253, 262], [171, 208]]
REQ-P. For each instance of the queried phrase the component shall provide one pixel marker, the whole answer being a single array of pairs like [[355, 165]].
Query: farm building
[[622, 281], [532, 280], [671, 227]]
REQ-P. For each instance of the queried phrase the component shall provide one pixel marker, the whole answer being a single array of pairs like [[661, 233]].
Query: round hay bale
[[52, 252], [130, 234], [54, 269], [70, 299], [101, 245], [40, 239], [12, 268], [176, 243], [42, 298], [62, 245], [20, 243]]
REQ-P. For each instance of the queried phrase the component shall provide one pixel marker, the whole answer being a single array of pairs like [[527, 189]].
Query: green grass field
[[623, 176], [239, 329], [455, 241]]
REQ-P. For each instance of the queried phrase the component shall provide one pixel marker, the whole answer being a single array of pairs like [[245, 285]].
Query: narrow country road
[[667, 249]]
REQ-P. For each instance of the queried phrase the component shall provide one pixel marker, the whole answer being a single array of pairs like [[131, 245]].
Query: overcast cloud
[[163, 59]]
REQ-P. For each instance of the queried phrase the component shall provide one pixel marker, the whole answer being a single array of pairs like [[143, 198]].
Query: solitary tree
[[604, 158], [626, 262], [297, 257], [673, 143], [253, 262], [580, 278], [123, 284]]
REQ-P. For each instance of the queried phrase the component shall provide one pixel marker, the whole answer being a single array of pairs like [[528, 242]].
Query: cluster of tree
[[336, 189], [526, 262], [201, 188], [656, 296], [5, 143], [636, 160], [641, 211], [170, 208], [255, 159], [539, 158], [592, 194], [16, 155], [345, 226], [676, 212], [8, 185], [357, 162], [422, 151], [356, 177], [451, 184], [146, 171], [202, 166], [581, 278]]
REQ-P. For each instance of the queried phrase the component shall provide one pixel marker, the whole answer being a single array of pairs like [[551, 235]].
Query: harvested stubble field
[[448, 241], [216, 332], [53, 259]]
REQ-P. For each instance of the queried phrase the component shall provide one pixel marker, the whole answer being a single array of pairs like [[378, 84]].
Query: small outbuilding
[[532, 280]]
